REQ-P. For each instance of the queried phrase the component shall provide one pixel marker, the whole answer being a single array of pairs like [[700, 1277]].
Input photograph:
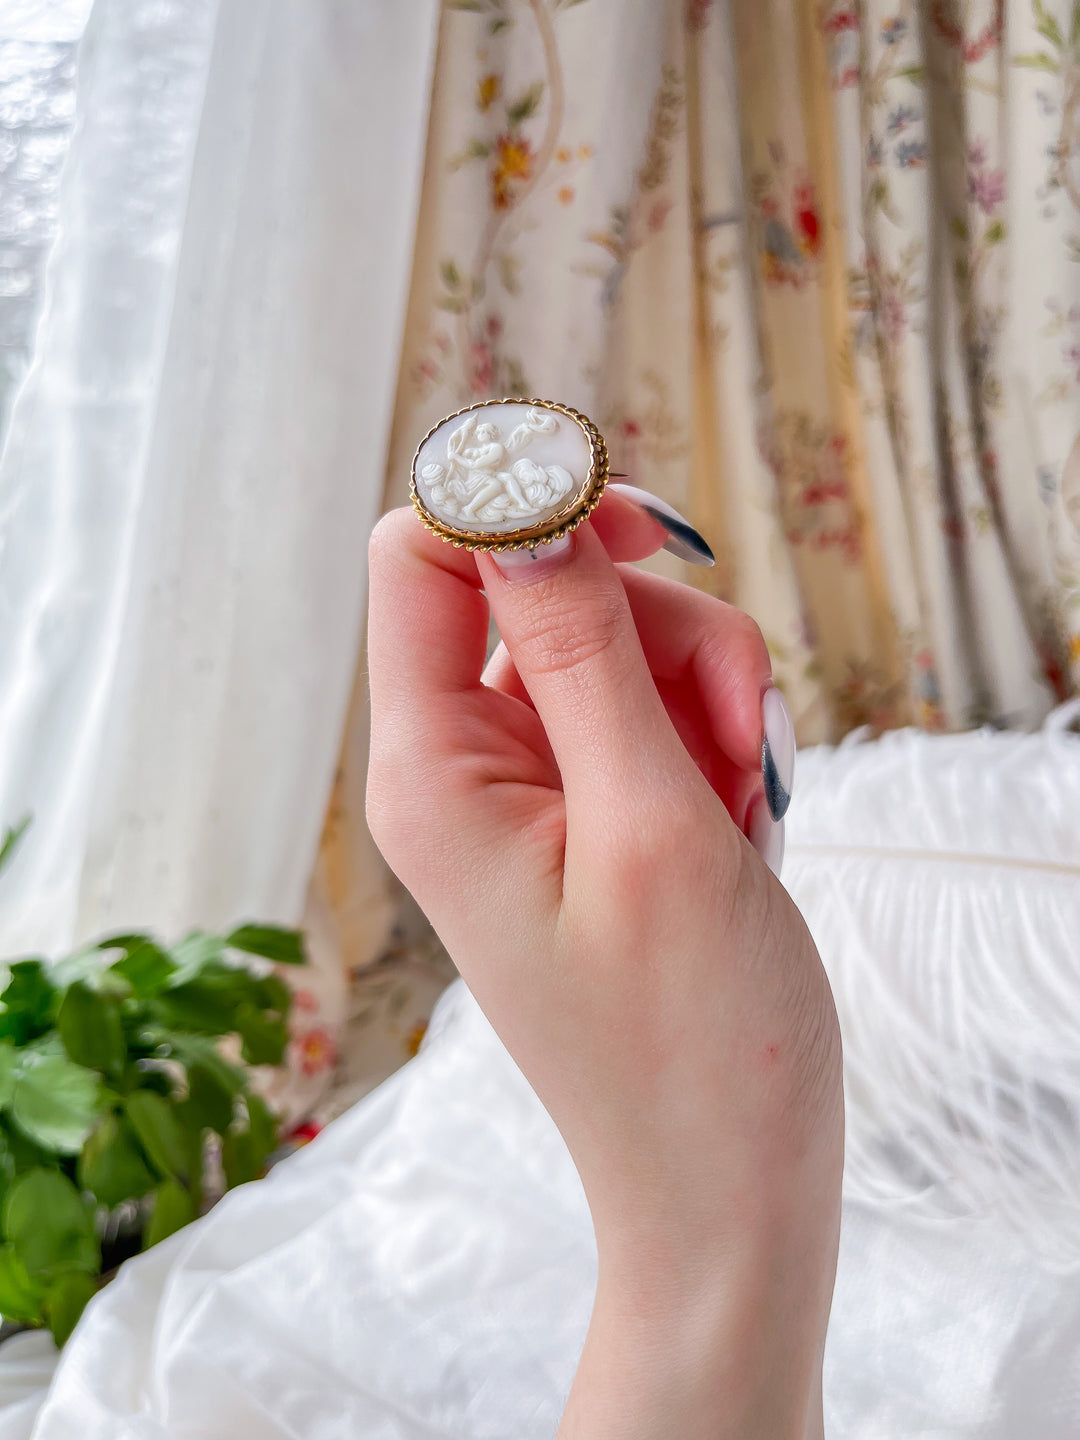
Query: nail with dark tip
[[777, 752], [683, 540]]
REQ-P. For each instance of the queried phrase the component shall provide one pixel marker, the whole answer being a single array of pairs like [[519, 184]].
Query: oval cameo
[[508, 471]]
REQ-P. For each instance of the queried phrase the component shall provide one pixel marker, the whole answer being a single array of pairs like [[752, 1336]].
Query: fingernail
[[531, 562], [684, 541], [766, 835], [777, 752]]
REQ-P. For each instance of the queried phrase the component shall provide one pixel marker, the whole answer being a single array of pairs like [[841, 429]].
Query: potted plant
[[114, 1091]]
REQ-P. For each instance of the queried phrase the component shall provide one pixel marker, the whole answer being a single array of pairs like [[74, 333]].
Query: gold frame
[[577, 509]]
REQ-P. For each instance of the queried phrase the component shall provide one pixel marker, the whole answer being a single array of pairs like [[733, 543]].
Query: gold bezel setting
[[578, 508]]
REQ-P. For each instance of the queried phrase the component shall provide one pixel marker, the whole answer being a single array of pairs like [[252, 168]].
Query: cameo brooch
[[508, 474]]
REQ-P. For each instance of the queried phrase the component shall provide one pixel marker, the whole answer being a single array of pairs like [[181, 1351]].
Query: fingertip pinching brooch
[[508, 474]]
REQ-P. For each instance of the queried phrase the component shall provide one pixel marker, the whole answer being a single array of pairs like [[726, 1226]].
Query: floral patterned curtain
[[813, 266]]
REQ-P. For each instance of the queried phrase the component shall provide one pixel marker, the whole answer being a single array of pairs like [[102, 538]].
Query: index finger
[[427, 620], [427, 613]]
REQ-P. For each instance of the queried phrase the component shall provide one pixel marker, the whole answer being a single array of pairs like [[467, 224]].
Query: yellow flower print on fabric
[[513, 165], [488, 90]]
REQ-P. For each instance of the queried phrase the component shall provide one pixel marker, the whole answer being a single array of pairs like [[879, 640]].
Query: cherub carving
[[479, 482]]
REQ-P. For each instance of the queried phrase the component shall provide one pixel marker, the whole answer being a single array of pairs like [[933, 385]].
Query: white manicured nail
[[530, 563], [777, 752], [684, 541]]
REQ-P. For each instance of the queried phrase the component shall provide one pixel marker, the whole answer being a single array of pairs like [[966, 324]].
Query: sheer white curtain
[[197, 455]]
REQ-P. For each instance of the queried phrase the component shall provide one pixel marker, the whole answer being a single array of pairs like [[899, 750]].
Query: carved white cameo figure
[[502, 467]]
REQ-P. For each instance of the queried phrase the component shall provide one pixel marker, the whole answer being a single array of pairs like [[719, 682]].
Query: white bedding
[[425, 1268]]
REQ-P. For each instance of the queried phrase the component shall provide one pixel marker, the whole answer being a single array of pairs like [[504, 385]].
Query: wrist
[[707, 1365], [715, 1335]]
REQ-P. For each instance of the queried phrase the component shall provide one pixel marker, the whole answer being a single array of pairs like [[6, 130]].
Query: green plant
[[112, 1087]]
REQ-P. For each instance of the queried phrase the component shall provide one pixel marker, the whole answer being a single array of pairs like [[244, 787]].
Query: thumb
[[564, 617]]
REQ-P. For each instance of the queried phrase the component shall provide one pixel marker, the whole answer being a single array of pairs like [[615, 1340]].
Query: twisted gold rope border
[[579, 508]]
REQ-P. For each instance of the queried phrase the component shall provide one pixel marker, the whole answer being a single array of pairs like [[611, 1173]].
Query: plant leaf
[[112, 1165], [146, 968], [264, 1039], [12, 835], [18, 1152], [210, 1103], [29, 1000], [174, 1208], [244, 1153], [474, 150], [193, 953], [8, 1059], [89, 1025], [240, 1158], [86, 964], [55, 1101], [284, 947], [141, 1076], [194, 1136], [49, 1225], [1046, 25], [526, 104], [271, 993], [66, 1301], [203, 1006], [197, 1050], [159, 1131], [1038, 61], [8, 1168], [124, 940], [261, 1123], [20, 1296]]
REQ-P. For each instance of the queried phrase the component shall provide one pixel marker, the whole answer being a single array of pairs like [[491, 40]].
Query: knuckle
[[668, 839], [564, 633], [740, 643], [751, 637]]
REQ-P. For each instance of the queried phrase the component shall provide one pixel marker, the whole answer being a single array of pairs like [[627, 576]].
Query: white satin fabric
[[197, 457], [425, 1268]]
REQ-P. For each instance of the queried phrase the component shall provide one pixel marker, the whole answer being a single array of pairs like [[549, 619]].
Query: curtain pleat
[[813, 269]]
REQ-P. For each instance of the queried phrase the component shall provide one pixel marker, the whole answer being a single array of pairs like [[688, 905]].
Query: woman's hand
[[571, 822]]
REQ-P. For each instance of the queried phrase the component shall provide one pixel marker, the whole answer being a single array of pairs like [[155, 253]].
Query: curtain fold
[[811, 267], [72, 476], [813, 270], [195, 462], [787, 269]]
